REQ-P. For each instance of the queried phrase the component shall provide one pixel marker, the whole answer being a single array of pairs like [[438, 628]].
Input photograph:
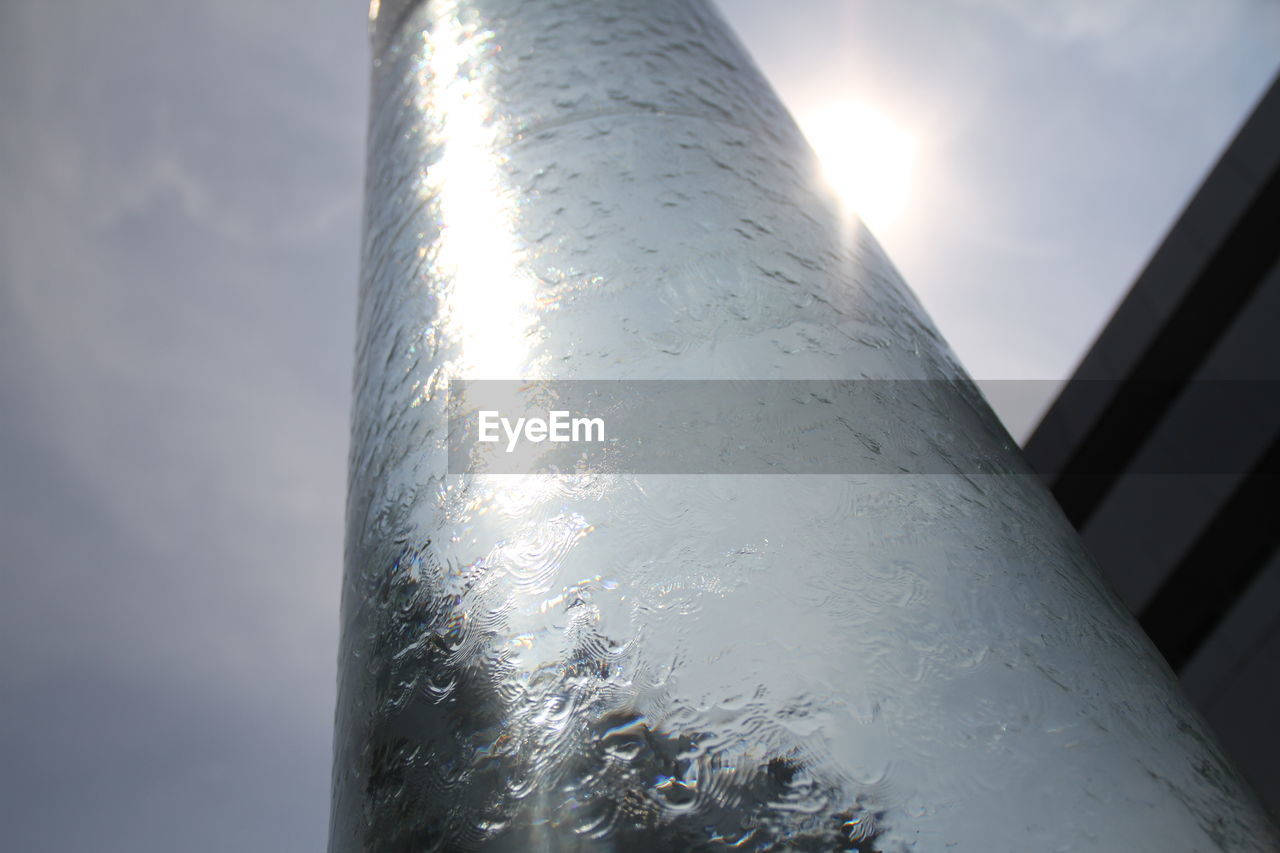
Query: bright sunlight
[[866, 157]]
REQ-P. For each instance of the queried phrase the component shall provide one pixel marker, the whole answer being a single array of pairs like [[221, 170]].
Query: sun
[[867, 159]]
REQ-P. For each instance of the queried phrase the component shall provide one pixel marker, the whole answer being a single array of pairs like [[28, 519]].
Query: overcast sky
[[179, 225]]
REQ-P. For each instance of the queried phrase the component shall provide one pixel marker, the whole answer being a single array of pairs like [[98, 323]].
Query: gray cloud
[[178, 257]]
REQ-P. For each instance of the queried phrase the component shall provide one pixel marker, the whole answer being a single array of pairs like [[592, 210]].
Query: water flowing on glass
[[622, 661]]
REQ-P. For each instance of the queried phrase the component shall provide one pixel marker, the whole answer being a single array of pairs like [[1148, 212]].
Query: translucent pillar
[[625, 661]]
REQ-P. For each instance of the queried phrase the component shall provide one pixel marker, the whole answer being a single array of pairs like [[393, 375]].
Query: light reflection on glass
[[488, 307]]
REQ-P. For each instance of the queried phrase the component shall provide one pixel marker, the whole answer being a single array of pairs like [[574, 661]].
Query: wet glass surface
[[637, 662]]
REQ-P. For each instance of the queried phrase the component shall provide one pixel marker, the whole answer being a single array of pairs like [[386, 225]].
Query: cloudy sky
[[179, 225]]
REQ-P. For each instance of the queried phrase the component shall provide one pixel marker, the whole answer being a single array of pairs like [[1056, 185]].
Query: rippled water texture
[[610, 662]]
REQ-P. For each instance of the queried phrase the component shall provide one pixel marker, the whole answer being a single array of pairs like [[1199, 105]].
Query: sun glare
[[488, 308], [867, 159]]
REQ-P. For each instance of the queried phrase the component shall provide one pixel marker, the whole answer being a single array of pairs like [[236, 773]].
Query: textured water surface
[[622, 662]]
